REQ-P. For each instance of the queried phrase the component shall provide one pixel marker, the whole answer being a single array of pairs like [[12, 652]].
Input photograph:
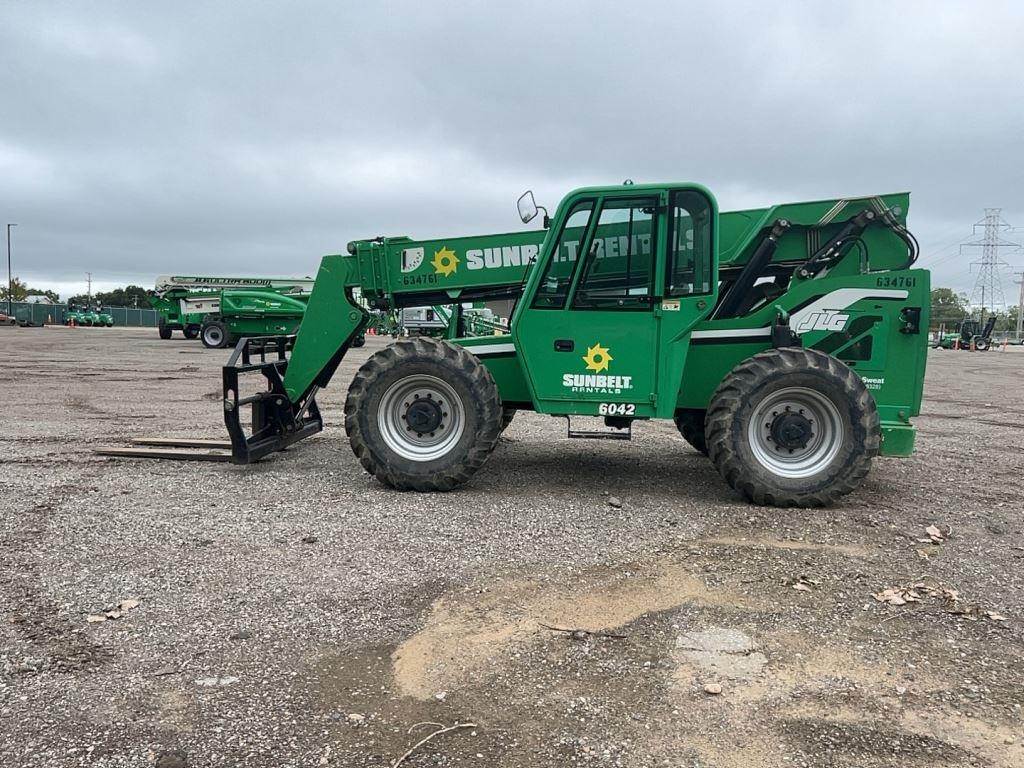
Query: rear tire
[[425, 384], [164, 331], [690, 423], [191, 331], [793, 428], [214, 335], [507, 414], [359, 341]]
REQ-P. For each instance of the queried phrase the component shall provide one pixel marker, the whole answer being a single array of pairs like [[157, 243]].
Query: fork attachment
[[276, 421]]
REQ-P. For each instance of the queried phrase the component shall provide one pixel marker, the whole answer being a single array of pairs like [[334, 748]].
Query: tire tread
[[481, 384], [736, 389]]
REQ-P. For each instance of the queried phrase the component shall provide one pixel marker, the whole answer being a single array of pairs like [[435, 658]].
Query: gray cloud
[[139, 138]]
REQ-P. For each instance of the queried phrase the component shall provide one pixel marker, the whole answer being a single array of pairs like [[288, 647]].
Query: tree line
[[950, 308], [129, 296]]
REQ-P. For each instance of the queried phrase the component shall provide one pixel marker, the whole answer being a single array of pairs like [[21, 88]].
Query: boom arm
[[389, 273]]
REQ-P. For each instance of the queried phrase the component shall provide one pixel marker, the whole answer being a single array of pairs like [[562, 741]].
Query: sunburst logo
[[445, 262], [597, 358]]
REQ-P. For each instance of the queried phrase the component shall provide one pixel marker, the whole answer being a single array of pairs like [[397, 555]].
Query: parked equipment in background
[[971, 335], [425, 321], [252, 313], [87, 315], [219, 310], [451, 322], [784, 342], [384, 323], [102, 318]]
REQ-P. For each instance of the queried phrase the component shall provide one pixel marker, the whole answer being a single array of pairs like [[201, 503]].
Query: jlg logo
[[825, 320]]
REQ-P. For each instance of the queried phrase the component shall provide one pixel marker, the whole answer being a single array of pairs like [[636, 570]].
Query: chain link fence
[[54, 314]]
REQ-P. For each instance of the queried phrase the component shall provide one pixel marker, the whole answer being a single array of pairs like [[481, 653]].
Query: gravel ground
[[297, 613]]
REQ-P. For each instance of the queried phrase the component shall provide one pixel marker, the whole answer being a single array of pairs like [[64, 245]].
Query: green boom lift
[[784, 342], [220, 310]]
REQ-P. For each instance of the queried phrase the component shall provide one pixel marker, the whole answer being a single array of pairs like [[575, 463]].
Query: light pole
[[10, 280]]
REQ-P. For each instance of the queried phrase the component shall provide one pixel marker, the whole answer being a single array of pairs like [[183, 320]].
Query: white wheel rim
[[826, 432], [214, 335], [397, 417]]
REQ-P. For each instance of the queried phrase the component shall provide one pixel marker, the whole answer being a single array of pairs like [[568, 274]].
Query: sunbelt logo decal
[[419, 268], [598, 359], [445, 261]]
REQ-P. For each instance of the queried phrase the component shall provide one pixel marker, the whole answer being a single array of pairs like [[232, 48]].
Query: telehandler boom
[[784, 342]]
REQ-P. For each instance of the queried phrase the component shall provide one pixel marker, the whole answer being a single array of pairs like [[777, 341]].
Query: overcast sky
[[144, 138]]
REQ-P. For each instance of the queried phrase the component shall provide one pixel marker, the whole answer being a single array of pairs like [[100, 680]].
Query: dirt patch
[[465, 635]]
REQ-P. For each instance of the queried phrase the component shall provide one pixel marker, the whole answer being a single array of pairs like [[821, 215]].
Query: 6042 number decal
[[616, 409]]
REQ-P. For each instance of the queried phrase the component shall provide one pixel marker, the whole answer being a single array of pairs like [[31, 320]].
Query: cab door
[[589, 337]]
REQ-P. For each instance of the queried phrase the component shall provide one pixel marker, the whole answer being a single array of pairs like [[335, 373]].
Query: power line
[[988, 287], [942, 249]]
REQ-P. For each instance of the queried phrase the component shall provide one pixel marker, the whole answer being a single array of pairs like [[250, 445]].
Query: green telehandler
[[784, 342]]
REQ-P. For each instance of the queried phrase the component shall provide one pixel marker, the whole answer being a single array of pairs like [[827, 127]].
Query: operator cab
[[625, 270]]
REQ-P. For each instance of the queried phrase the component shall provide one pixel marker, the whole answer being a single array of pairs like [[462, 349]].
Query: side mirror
[[527, 207]]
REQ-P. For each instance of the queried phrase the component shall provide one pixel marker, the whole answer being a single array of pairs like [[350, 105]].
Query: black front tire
[[191, 331], [359, 341], [164, 331], [372, 430], [214, 335], [690, 423], [748, 439]]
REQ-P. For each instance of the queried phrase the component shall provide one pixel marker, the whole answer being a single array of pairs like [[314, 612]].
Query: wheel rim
[[421, 418], [214, 335], [795, 432]]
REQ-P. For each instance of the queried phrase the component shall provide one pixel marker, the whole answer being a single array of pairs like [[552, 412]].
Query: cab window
[[619, 269], [689, 253], [554, 286]]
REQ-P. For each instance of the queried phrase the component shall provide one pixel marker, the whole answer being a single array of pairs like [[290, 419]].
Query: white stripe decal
[[835, 301], [841, 299], [731, 333], [491, 349]]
